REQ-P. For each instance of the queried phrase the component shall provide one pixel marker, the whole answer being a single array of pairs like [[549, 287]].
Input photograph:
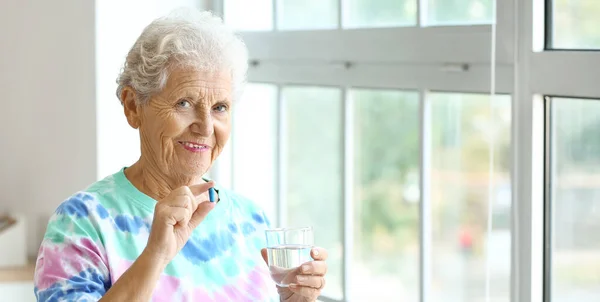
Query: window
[[574, 24], [237, 16], [570, 126], [386, 195], [574, 199], [355, 115], [253, 147], [326, 14], [464, 128], [383, 13], [457, 12], [313, 193], [307, 14]]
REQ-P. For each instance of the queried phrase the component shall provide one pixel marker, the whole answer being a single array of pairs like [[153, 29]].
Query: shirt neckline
[[148, 202]]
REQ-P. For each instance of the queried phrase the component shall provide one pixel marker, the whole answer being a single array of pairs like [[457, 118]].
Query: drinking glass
[[287, 250]]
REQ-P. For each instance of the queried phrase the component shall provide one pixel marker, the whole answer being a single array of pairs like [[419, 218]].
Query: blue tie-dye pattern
[[198, 250], [102, 212], [130, 224], [74, 206], [91, 287], [258, 218], [233, 228], [247, 228], [85, 196]]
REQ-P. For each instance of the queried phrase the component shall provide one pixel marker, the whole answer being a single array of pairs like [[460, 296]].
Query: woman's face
[[184, 128]]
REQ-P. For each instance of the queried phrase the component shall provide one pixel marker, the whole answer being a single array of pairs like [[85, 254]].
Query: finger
[[182, 201], [317, 282], [183, 190], [200, 198], [200, 213], [263, 252], [305, 291], [319, 253], [176, 197], [314, 268], [201, 188], [178, 215]]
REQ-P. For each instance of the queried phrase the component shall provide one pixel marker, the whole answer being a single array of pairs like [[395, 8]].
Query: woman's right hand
[[175, 218]]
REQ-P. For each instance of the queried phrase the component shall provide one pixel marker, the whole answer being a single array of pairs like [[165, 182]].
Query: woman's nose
[[203, 125]]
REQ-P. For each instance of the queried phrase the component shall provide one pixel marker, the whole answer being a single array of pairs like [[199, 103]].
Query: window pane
[[314, 170], [382, 13], [249, 15], [307, 14], [459, 12], [386, 196], [254, 140], [575, 200], [460, 187], [576, 24]]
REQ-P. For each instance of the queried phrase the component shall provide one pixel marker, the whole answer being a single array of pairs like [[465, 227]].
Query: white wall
[[47, 113], [58, 65]]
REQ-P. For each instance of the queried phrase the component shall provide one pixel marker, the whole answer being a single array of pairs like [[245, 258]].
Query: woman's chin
[[193, 168]]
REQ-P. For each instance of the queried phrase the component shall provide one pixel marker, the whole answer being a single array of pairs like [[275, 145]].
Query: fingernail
[[301, 278], [305, 268], [293, 286], [315, 252]]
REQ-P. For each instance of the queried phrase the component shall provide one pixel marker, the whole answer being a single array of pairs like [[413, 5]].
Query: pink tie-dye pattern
[[93, 248], [168, 289], [119, 267], [254, 284], [50, 263], [259, 283], [197, 294]]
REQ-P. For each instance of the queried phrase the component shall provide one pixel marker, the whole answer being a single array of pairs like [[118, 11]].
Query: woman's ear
[[130, 107]]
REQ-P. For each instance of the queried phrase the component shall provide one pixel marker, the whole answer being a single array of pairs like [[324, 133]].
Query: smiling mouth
[[194, 147]]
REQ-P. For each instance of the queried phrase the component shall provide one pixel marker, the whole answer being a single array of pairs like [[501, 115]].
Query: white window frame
[[422, 59], [538, 73]]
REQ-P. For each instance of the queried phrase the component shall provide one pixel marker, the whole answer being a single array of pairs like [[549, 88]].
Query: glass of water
[[287, 250]]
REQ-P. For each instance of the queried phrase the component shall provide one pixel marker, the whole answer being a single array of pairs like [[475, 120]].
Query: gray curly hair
[[185, 38]]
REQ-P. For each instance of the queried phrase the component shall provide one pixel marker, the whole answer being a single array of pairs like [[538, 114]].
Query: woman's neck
[[150, 180]]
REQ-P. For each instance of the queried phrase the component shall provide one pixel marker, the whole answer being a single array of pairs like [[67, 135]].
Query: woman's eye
[[221, 108], [184, 104]]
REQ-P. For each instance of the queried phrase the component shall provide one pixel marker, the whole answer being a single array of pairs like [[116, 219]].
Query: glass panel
[[382, 13], [249, 15], [314, 170], [575, 200], [386, 196], [576, 24], [307, 14], [459, 12], [460, 188], [254, 146]]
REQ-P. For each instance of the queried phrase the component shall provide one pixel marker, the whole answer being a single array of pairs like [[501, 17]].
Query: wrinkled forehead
[[199, 84]]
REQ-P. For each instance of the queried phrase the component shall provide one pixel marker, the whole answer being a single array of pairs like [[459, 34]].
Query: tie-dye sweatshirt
[[95, 235]]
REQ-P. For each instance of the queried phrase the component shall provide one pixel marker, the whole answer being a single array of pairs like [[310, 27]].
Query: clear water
[[285, 260]]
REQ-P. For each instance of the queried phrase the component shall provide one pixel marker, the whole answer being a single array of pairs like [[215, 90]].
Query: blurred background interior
[[396, 128]]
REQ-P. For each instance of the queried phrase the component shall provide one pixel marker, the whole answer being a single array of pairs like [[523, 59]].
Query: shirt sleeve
[[71, 262]]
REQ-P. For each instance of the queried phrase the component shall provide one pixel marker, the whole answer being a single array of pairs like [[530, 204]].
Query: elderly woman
[[149, 231]]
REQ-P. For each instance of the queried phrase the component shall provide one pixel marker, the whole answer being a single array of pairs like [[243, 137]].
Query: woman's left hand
[[309, 281]]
